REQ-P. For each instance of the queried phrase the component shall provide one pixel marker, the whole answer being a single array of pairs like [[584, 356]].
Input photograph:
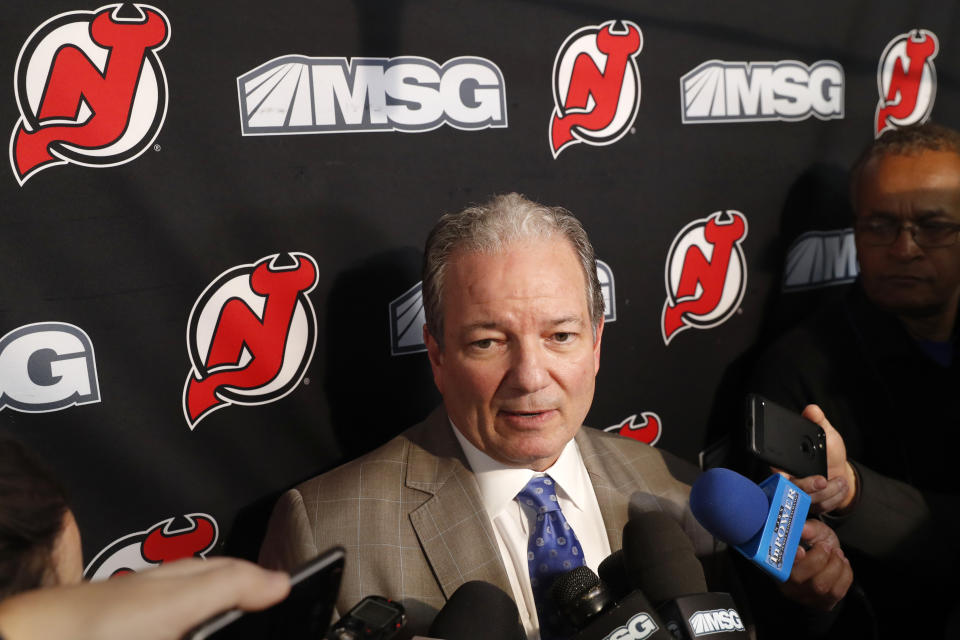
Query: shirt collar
[[500, 484]]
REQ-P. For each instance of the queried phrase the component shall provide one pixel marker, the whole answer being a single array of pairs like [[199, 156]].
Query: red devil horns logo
[[648, 430], [907, 80], [596, 85], [705, 273], [95, 96], [251, 336]]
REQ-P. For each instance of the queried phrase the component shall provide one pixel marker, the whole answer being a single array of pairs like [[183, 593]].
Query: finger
[[816, 533], [825, 505], [825, 495], [831, 501], [831, 583], [820, 542], [781, 472], [831, 497], [814, 413], [183, 567], [842, 586], [811, 484], [186, 595], [238, 583], [810, 564]]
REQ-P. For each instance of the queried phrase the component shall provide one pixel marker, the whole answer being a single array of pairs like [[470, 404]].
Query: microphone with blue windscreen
[[763, 522]]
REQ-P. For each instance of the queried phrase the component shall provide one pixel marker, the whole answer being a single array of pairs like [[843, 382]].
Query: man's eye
[[486, 343], [881, 225], [563, 336]]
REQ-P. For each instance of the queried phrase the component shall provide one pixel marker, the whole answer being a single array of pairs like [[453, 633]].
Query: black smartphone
[[306, 612], [784, 439]]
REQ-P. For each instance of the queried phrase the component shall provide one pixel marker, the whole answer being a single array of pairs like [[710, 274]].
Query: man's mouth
[[523, 414], [903, 279], [527, 417]]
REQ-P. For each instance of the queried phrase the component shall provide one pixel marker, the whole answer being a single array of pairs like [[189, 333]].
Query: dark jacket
[[898, 412]]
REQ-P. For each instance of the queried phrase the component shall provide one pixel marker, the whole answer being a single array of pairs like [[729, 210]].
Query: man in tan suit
[[514, 326]]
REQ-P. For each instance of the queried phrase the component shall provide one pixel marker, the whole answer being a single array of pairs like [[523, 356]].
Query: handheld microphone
[[659, 557], [660, 561], [478, 610], [588, 604], [613, 573], [761, 522]]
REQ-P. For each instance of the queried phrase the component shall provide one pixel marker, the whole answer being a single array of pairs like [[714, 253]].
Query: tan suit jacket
[[413, 523]]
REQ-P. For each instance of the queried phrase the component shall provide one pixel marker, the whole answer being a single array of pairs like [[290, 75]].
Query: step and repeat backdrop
[[213, 216]]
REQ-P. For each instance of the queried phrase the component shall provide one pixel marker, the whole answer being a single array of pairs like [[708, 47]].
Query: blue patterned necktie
[[553, 550]]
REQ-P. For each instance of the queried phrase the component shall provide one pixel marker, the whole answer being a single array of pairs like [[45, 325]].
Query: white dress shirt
[[512, 522]]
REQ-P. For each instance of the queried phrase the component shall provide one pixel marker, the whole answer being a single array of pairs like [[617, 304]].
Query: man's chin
[[533, 452], [909, 307]]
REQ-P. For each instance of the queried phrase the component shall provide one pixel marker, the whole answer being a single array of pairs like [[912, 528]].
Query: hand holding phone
[[784, 439], [305, 613]]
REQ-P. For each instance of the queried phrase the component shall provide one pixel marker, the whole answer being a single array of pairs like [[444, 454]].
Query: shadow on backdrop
[[818, 201], [373, 395]]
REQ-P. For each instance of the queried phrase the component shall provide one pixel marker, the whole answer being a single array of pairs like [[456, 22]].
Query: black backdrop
[[224, 160]]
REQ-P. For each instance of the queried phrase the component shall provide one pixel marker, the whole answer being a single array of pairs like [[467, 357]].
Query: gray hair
[[905, 141], [489, 228]]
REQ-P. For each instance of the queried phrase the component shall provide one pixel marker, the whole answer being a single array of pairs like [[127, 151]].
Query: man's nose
[[528, 370], [905, 246]]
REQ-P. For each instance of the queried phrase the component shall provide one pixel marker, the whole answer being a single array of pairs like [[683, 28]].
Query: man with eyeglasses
[[883, 370]]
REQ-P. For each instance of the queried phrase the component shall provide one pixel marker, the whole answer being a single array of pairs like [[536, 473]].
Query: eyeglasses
[[928, 234]]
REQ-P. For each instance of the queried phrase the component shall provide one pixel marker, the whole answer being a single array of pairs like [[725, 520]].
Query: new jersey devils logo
[[596, 85], [706, 273], [90, 89], [251, 335], [648, 430], [907, 80], [163, 542]]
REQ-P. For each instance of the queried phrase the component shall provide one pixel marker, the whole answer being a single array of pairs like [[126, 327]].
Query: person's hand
[[156, 604], [821, 573], [837, 491]]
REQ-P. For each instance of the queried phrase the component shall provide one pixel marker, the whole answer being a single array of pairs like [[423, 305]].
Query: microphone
[[589, 606], [763, 522], [613, 573], [660, 561], [659, 557], [478, 610]]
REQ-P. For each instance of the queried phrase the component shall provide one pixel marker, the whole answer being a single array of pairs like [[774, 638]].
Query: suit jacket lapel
[[614, 504], [452, 525], [620, 488]]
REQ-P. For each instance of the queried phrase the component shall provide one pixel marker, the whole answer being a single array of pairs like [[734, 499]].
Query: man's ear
[[435, 354]]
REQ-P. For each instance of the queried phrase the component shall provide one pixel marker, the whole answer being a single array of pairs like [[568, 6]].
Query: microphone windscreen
[[573, 584], [729, 505], [660, 558], [478, 610], [614, 573], [580, 596]]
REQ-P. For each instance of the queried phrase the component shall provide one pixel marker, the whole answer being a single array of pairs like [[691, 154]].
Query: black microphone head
[[478, 610], [660, 559], [580, 595], [613, 573]]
